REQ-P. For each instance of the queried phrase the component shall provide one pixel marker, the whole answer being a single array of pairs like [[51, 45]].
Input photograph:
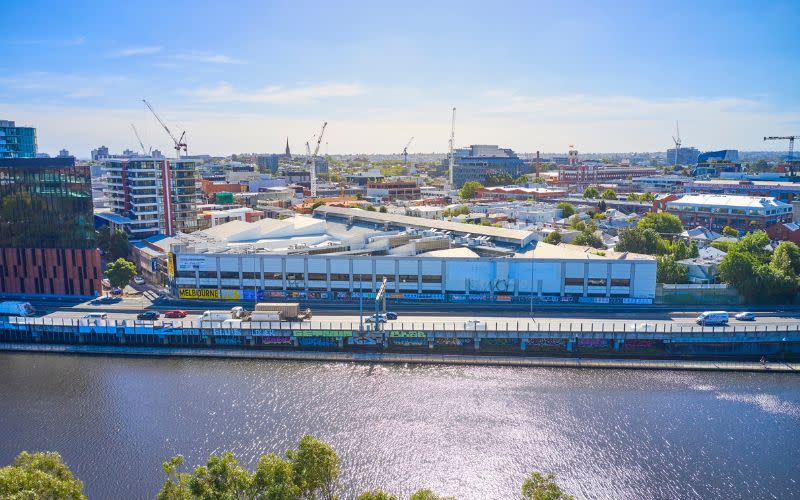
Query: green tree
[[382, 209], [670, 271], [103, 239], [499, 179], [590, 192], [636, 240], [522, 179], [567, 210], [118, 245], [755, 244], [39, 475], [632, 197], [470, 189], [663, 223], [729, 231], [601, 206], [369, 208], [221, 477], [376, 495], [553, 238], [609, 194], [120, 272], [647, 197], [588, 238], [786, 258], [427, 494], [316, 205], [542, 487], [274, 479], [316, 468]]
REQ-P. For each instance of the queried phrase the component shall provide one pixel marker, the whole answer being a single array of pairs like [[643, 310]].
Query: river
[[473, 432]]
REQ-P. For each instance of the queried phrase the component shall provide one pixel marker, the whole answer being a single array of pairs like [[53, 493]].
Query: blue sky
[[242, 76]]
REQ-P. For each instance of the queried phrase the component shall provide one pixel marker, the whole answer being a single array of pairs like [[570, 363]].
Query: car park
[[148, 315], [175, 313], [745, 316]]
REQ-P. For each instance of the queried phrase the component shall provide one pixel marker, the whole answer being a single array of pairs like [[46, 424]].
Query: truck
[[14, 308], [279, 311], [216, 316], [713, 318]]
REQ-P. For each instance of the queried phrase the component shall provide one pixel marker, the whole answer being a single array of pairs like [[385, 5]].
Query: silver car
[[745, 316]]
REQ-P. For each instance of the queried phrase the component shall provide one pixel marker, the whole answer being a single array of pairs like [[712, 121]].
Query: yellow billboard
[[171, 265], [210, 293]]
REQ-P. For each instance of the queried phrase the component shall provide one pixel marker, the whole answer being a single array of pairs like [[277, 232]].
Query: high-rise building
[[17, 142], [686, 156], [478, 162], [100, 153], [47, 241], [149, 196]]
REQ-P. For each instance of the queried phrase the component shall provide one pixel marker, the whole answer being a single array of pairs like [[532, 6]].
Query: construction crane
[[405, 153], [312, 160], [677, 142], [141, 144], [179, 144], [789, 138], [452, 141]]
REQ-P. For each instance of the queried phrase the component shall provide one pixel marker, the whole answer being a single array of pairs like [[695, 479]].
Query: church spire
[[288, 153]]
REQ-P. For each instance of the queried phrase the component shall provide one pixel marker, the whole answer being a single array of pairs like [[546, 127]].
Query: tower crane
[[141, 144], [452, 141], [677, 141], [405, 153], [179, 144], [789, 138], [312, 161]]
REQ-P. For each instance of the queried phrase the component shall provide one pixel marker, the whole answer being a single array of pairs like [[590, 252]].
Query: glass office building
[[17, 142], [478, 162], [47, 243]]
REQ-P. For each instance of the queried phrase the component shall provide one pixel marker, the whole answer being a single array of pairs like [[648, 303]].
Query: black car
[[391, 315], [148, 315]]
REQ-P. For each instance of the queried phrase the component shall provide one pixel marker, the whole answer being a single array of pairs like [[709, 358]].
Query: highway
[[582, 318]]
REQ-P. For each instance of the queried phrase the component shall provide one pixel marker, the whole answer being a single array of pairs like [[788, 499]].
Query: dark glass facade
[[47, 241], [45, 203]]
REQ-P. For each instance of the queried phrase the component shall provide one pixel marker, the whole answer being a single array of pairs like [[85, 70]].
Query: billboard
[[209, 293]]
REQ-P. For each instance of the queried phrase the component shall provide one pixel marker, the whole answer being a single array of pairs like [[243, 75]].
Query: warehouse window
[[229, 274], [317, 276], [251, 276], [620, 282], [295, 276], [362, 277], [573, 281], [208, 274], [273, 276], [597, 282], [340, 277], [430, 278], [408, 278]]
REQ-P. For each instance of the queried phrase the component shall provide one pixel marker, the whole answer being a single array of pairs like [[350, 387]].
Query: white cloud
[[207, 57], [136, 51], [224, 92]]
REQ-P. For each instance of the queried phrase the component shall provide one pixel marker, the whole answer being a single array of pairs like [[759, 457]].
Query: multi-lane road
[[583, 318]]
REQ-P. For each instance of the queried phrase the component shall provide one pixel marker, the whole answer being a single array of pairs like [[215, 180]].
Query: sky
[[242, 76]]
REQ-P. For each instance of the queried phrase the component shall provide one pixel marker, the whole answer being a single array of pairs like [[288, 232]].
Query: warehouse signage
[[322, 333], [408, 334], [186, 263], [209, 293]]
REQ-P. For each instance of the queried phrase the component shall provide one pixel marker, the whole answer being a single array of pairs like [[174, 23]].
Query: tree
[[567, 210], [553, 238], [316, 205], [738, 269], [316, 468], [500, 179], [103, 239], [120, 272], [609, 194], [632, 197], [647, 197], [39, 475], [729, 231], [470, 189], [221, 477], [522, 179], [753, 243], [663, 223], [369, 208], [382, 209], [601, 206], [670, 271], [588, 238], [786, 258], [274, 479], [376, 495], [538, 486], [590, 192], [638, 240], [118, 245], [426, 494]]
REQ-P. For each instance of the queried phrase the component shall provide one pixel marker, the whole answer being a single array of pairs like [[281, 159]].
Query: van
[[713, 318], [96, 315]]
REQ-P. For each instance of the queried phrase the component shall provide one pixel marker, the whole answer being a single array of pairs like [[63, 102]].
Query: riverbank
[[410, 358]]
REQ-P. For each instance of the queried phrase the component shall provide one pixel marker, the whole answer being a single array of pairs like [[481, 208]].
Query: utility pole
[[452, 141]]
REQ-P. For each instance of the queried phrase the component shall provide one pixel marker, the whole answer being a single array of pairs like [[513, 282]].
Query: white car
[[745, 316], [138, 280], [380, 318]]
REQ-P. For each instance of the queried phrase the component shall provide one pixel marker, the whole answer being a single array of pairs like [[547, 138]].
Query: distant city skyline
[[523, 75]]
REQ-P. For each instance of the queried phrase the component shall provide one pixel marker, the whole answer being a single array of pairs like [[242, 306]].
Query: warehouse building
[[341, 259]]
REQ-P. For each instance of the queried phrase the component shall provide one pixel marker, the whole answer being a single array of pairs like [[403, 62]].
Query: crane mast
[[179, 144], [789, 138], [405, 153], [141, 144], [312, 161], [452, 141]]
